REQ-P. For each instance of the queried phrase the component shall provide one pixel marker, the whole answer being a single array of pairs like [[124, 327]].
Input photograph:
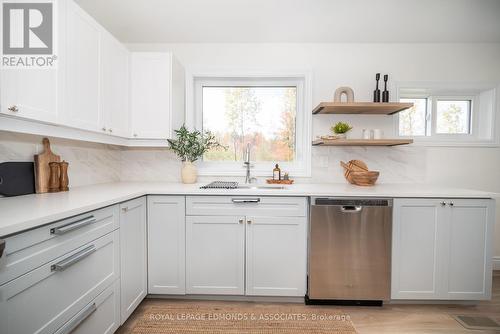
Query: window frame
[[484, 122], [301, 166]]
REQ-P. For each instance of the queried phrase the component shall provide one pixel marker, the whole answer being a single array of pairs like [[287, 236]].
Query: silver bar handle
[[73, 225], [69, 327], [71, 260], [351, 208], [2, 247], [245, 200]]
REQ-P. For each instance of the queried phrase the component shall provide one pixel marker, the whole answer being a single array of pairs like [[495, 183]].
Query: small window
[[453, 116], [413, 121]]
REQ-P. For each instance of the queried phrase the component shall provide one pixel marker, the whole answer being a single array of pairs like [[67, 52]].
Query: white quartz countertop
[[26, 212]]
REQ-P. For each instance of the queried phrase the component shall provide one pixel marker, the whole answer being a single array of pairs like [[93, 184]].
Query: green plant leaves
[[191, 145]]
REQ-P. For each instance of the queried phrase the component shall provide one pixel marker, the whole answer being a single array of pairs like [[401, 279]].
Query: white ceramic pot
[[189, 172], [341, 135]]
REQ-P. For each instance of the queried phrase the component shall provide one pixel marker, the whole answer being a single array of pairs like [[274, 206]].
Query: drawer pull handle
[[245, 200], [2, 247], [71, 260], [72, 226], [69, 327]]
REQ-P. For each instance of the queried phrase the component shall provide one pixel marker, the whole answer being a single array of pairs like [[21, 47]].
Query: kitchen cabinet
[[133, 255], [114, 92], [166, 245], [442, 249], [33, 93], [44, 299], [215, 255], [276, 259], [239, 248], [157, 95], [101, 316], [83, 63]]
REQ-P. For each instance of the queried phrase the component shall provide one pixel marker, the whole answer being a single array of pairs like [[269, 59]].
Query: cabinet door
[[114, 86], [133, 255], [276, 254], [417, 249], [470, 249], [166, 245], [150, 95], [215, 255], [82, 70], [35, 93]]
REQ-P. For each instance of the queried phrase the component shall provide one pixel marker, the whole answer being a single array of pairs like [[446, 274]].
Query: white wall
[[355, 65]]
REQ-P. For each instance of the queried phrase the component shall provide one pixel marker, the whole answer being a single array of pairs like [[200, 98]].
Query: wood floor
[[394, 318]]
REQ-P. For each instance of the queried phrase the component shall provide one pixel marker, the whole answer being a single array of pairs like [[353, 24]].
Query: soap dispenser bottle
[[277, 173]]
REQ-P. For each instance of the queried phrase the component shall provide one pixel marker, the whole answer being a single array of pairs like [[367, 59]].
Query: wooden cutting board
[[42, 171]]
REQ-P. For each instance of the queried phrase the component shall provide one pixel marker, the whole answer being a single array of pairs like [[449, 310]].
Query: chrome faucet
[[247, 165]]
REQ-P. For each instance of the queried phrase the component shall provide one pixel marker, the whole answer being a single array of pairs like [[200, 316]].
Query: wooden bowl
[[366, 178]]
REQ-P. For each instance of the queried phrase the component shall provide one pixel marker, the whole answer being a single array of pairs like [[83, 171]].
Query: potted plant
[[340, 129], [189, 147]]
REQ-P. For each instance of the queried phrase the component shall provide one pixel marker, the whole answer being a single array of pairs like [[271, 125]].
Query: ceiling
[[255, 21]]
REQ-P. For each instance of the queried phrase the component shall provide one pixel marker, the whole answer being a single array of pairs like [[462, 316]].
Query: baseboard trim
[[496, 262], [262, 299]]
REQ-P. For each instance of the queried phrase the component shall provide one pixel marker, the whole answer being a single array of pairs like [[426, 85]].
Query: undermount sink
[[260, 187]]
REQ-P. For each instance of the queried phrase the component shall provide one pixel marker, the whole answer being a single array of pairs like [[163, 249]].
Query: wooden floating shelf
[[365, 108], [362, 142]]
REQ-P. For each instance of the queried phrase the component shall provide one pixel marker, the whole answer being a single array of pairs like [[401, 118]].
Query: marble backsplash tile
[[92, 163]]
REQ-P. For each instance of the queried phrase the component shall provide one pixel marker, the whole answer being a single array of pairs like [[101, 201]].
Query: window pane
[[261, 116], [412, 122], [453, 117]]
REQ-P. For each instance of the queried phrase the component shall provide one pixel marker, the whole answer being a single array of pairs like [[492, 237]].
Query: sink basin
[[261, 187]]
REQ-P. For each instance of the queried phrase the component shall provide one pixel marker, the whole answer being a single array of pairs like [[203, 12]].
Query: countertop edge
[[18, 227]]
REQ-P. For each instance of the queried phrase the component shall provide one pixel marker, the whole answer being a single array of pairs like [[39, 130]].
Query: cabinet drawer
[[246, 205], [44, 299], [28, 250], [101, 316]]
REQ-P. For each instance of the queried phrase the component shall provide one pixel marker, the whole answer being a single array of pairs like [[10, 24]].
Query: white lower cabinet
[[215, 255], [44, 299], [133, 255], [166, 245], [101, 316], [276, 259], [254, 253], [442, 249]]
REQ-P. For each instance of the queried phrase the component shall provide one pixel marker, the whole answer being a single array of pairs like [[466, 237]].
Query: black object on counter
[[385, 93], [376, 92], [17, 178]]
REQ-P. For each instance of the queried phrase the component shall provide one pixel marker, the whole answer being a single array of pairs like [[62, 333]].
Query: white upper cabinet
[[114, 93], [82, 104], [33, 93], [98, 86], [157, 95], [442, 249]]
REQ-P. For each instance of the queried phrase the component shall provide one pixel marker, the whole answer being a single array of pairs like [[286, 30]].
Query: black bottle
[[376, 92], [385, 93]]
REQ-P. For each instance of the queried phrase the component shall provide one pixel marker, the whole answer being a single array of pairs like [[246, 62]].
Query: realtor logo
[[28, 34]]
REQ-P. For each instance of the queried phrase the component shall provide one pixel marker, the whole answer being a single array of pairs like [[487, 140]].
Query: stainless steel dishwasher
[[349, 251]]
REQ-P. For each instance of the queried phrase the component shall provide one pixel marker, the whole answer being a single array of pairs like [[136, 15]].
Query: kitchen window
[[266, 113], [450, 117]]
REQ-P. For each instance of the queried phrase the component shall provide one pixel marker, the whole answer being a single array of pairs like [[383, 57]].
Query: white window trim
[[443, 91], [302, 166]]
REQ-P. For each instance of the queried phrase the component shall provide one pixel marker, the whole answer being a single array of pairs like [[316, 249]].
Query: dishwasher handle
[[351, 208]]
